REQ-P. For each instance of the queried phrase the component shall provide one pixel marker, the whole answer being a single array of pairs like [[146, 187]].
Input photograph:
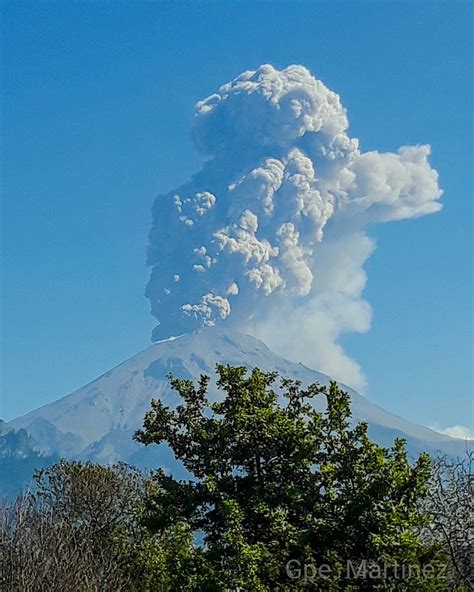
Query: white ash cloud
[[271, 233]]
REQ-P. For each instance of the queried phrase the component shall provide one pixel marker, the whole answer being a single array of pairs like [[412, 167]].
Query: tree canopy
[[282, 496]]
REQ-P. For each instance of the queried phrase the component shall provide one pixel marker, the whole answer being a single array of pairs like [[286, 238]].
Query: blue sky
[[97, 110]]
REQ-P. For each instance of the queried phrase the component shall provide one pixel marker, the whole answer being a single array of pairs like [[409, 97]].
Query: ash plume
[[270, 235]]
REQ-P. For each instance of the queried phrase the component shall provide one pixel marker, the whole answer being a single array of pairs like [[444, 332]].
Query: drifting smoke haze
[[271, 234]]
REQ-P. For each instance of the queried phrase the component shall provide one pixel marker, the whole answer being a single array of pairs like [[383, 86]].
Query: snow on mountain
[[97, 421]]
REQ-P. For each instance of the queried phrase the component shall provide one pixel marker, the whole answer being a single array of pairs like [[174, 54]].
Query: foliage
[[276, 483], [80, 530]]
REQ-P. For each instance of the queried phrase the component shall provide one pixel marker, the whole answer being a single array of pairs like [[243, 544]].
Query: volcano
[[97, 421]]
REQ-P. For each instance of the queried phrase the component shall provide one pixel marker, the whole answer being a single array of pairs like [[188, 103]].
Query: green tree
[[282, 496]]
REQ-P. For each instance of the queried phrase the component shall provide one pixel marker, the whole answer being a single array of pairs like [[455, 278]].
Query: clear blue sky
[[97, 108]]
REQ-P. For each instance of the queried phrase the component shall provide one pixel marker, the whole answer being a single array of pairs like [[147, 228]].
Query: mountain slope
[[19, 459], [97, 421]]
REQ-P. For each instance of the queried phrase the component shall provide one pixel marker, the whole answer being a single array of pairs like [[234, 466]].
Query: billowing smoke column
[[270, 235]]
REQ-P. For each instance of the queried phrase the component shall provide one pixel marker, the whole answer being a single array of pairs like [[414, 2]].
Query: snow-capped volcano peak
[[98, 420]]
